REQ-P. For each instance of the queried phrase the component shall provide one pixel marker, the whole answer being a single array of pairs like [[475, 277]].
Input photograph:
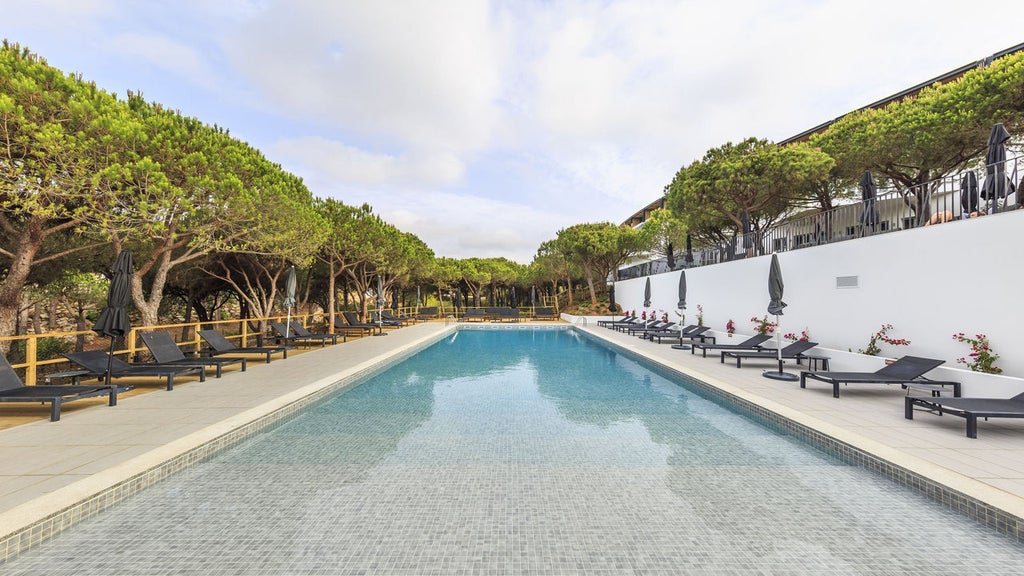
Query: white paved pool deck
[[48, 467]]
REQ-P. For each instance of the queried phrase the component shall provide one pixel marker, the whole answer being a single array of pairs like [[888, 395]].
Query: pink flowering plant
[[763, 325], [883, 336], [700, 315], [730, 327], [803, 337], [981, 358]]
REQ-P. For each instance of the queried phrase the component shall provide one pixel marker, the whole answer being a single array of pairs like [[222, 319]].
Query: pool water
[[523, 452]]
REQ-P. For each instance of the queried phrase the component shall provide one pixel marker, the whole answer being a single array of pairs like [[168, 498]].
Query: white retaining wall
[[964, 276]]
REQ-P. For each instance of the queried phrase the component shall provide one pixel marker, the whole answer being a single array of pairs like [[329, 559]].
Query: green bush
[[52, 347]]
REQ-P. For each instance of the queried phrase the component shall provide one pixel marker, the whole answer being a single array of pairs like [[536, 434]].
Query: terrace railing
[[35, 356], [939, 201]]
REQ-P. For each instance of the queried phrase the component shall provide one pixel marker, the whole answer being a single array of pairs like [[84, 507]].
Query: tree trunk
[[23, 315], [80, 326], [26, 247], [149, 308], [590, 282], [37, 319], [330, 298], [202, 314], [52, 315], [186, 329]]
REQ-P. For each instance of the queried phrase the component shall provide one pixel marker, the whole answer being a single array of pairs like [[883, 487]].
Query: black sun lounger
[[631, 321], [969, 409], [549, 314], [164, 350], [221, 345], [402, 319], [753, 343], [906, 370], [353, 323], [604, 323], [12, 390], [382, 320], [343, 327], [690, 333], [304, 332], [95, 361], [508, 314], [700, 333], [794, 351], [656, 326], [297, 334], [671, 332], [632, 326], [426, 313]]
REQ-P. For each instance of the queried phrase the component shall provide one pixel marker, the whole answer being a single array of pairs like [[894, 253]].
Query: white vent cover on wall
[[847, 281]]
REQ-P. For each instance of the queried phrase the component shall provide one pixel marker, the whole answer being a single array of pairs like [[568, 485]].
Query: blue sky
[[485, 127]]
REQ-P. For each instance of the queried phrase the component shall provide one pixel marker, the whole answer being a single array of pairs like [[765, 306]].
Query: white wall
[[964, 276]]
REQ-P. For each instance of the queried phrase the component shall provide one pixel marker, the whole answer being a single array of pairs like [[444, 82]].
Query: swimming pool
[[522, 451]]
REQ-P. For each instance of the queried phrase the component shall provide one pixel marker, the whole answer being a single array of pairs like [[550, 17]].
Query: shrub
[[882, 336], [982, 358]]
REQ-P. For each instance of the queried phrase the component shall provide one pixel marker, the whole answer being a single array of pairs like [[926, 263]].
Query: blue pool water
[[523, 452]]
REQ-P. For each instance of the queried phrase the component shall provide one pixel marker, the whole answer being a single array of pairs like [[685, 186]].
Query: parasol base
[[681, 346], [780, 376]]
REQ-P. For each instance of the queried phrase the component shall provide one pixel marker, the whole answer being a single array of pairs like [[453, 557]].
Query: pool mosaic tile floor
[[573, 461]]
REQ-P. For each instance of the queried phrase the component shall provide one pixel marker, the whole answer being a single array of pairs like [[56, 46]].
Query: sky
[[486, 127]]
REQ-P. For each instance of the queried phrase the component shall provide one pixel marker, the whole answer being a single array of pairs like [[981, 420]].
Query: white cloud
[[486, 127], [421, 75], [53, 14], [358, 167], [401, 189], [462, 226], [183, 61]]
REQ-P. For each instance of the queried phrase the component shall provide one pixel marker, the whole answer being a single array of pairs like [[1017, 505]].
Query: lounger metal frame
[[166, 351], [95, 361], [770, 353], [970, 409], [906, 371], [13, 390], [753, 344], [219, 344]]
